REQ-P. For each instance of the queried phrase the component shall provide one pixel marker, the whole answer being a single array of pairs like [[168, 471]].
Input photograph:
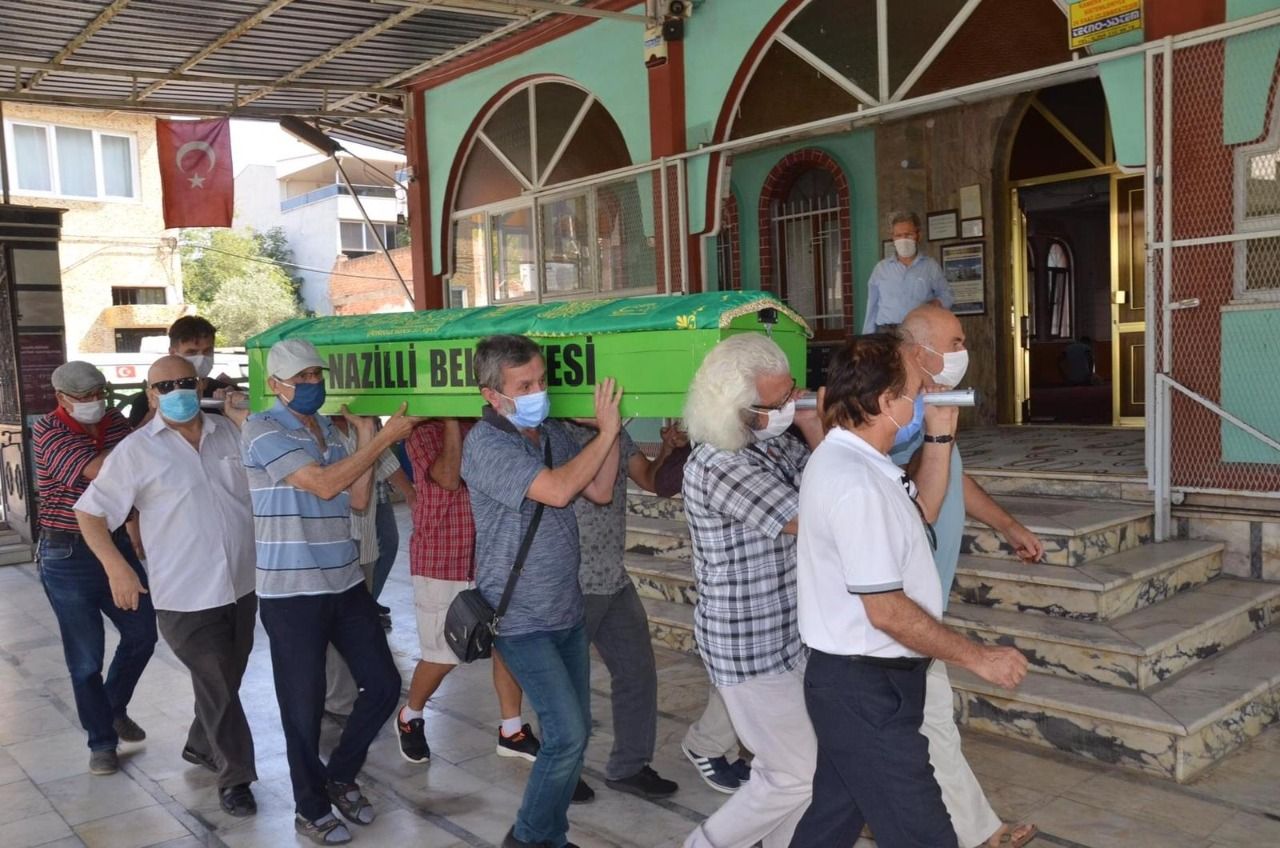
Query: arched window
[[805, 240], [514, 236], [1061, 290]]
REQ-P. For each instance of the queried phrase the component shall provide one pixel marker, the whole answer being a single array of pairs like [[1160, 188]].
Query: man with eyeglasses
[[182, 472], [311, 590], [70, 446], [741, 488]]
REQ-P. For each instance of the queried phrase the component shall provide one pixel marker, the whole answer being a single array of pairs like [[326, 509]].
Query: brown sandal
[[1015, 836]]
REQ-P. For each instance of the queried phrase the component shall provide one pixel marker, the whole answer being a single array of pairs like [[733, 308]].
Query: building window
[[1257, 211], [515, 237], [359, 240], [139, 296], [130, 340], [71, 161], [1061, 291]]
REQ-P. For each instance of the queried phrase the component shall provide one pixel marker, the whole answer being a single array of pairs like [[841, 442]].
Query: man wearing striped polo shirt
[[311, 590]]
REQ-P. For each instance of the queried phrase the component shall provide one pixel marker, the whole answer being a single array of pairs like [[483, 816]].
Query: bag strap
[[518, 565]]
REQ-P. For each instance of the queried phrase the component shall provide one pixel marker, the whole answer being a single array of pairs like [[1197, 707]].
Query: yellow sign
[[1094, 20]]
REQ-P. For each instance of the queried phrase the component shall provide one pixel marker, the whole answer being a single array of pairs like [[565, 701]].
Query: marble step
[[16, 553], [1137, 650], [670, 624], [1175, 730], [658, 537], [1104, 487], [1100, 590], [9, 537], [1073, 531], [662, 579]]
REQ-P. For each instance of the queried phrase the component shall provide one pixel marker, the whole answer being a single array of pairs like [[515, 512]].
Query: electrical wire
[[278, 262]]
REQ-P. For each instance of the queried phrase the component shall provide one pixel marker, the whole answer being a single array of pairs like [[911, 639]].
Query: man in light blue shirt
[[902, 282]]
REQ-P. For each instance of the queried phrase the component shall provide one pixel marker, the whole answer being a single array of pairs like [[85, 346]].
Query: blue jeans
[[554, 669], [300, 629], [80, 595], [388, 545]]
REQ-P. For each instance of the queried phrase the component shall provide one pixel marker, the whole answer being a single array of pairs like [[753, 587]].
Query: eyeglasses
[[95, 394], [910, 486], [165, 386], [761, 408]]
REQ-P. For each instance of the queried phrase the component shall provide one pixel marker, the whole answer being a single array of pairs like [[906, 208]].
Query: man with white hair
[[741, 486]]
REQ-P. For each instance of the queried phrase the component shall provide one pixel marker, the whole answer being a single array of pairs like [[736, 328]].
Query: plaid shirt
[[443, 544], [62, 447], [743, 564]]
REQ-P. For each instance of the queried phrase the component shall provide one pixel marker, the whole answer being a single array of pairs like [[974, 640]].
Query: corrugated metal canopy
[[335, 63]]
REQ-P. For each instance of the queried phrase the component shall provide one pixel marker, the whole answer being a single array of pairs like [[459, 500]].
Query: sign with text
[[1094, 20]]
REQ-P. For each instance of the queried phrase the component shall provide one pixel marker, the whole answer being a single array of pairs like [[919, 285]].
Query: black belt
[[896, 663], [67, 537]]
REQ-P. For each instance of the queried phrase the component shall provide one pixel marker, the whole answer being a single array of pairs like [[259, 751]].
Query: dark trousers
[[618, 627], [80, 595], [214, 645], [873, 761], [388, 545], [300, 629]]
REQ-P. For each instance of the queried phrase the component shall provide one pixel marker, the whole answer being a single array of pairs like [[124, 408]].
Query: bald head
[[934, 327], [170, 368]]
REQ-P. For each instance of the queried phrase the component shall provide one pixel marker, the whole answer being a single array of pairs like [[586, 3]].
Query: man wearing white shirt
[[869, 604], [183, 472]]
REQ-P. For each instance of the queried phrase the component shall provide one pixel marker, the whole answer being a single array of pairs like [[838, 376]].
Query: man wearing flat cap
[[70, 445], [311, 590]]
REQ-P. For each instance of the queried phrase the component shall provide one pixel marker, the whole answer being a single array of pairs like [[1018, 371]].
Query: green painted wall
[[856, 153], [620, 84], [1249, 67], [1250, 382], [1124, 86]]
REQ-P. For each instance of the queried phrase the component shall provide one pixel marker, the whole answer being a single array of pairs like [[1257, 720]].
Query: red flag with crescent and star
[[195, 172]]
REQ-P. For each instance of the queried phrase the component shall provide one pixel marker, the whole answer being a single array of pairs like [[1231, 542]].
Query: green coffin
[[650, 345]]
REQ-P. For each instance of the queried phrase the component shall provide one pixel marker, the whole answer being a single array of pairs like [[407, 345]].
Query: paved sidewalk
[[467, 795]]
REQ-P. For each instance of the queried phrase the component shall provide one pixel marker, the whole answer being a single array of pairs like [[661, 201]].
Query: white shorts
[[431, 599]]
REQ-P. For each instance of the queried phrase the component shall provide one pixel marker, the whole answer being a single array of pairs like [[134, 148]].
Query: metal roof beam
[[104, 17], [187, 107], [516, 7], [217, 44], [332, 53], [20, 64]]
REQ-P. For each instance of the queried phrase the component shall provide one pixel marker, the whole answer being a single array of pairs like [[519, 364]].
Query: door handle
[[1024, 331]]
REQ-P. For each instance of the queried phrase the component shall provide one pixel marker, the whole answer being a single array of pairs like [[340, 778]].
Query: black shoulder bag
[[470, 624]]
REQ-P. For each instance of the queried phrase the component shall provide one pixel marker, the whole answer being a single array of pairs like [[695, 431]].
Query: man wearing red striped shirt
[[442, 564], [69, 446]]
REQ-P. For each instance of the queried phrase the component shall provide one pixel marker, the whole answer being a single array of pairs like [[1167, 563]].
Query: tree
[[232, 278], [273, 244]]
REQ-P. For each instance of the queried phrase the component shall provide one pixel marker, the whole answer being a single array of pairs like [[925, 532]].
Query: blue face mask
[[531, 410], [908, 431], [307, 398], [179, 405]]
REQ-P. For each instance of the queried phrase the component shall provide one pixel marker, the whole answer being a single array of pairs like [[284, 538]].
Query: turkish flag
[[195, 172]]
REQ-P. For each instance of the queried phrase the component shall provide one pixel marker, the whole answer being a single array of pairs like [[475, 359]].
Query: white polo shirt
[[860, 533], [194, 511]]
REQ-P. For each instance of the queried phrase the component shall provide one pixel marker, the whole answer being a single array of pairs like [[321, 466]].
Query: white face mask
[[202, 363], [905, 247], [88, 411], [954, 364], [779, 421]]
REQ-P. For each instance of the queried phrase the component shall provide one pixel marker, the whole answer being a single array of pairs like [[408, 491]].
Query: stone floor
[[468, 796], [1092, 451]]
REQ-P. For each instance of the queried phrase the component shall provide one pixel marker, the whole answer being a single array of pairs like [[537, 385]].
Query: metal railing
[[316, 195]]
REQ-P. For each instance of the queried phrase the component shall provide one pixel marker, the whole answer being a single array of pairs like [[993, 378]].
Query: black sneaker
[[128, 730], [646, 783], [523, 745], [582, 793], [741, 769], [237, 800], [413, 740], [715, 771], [510, 841], [197, 758]]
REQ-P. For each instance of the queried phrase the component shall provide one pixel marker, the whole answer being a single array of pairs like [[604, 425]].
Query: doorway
[[1077, 249]]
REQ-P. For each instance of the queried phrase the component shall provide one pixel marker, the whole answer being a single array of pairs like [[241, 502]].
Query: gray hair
[[494, 353], [904, 216], [725, 385]]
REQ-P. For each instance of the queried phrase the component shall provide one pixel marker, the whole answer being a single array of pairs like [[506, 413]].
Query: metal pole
[[4, 159], [681, 235], [660, 215], [382, 245], [1164, 400]]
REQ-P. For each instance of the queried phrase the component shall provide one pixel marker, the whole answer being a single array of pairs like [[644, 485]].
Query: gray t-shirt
[[498, 465], [602, 530]]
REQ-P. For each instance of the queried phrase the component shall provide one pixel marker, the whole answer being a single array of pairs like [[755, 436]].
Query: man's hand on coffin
[[399, 426], [608, 399]]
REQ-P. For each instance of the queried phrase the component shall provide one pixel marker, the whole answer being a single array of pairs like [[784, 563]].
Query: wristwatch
[[939, 440]]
